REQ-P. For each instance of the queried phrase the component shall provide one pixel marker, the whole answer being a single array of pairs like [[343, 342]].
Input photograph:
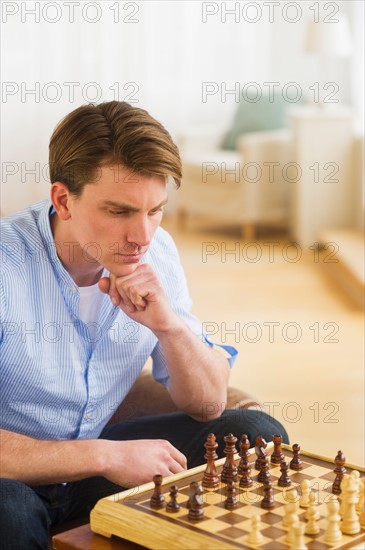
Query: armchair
[[243, 187]]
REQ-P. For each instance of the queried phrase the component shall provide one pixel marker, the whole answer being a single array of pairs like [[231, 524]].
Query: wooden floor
[[300, 337]]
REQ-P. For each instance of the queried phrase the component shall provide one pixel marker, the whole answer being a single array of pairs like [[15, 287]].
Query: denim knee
[[24, 520]]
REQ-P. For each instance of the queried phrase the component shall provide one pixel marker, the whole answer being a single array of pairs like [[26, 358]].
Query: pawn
[[255, 537], [292, 520], [157, 499], [173, 506], [306, 489], [264, 474], [298, 538], [312, 527], [292, 506], [231, 501], [296, 462], [333, 532], [350, 522], [268, 501], [284, 480]]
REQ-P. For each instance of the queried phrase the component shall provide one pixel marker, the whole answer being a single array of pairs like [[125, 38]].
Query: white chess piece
[[313, 506], [350, 521], [255, 537], [333, 532], [292, 520], [312, 527], [343, 504], [361, 503], [298, 539], [306, 489]]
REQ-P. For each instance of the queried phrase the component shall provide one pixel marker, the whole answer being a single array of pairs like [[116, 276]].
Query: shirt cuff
[[232, 352]]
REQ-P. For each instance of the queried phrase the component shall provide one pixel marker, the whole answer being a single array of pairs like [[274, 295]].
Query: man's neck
[[84, 273]]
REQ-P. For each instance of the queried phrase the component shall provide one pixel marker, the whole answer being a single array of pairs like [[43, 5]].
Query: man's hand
[[130, 463], [141, 296]]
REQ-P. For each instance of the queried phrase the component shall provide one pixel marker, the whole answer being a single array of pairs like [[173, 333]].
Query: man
[[90, 288]]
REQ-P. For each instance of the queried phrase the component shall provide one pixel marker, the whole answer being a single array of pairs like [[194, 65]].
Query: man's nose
[[139, 232]]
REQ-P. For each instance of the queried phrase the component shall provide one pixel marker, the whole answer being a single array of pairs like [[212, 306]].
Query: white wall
[[157, 54]]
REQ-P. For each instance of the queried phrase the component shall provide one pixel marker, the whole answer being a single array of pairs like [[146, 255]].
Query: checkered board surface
[[132, 518]]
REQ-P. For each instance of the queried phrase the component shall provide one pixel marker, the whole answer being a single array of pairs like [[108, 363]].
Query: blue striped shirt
[[56, 381]]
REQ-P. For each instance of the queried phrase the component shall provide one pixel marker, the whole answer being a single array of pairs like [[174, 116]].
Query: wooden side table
[[82, 538]]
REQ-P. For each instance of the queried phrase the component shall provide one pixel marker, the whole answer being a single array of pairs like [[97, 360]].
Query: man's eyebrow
[[129, 207]]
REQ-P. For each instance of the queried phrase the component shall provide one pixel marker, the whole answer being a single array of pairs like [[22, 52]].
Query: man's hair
[[110, 133]]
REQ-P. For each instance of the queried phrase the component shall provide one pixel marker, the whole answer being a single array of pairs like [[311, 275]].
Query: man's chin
[[124, 269]]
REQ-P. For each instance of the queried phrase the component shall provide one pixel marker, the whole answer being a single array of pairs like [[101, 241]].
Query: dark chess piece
[[229, 471], [296, 462], [277, 456], [196, 511], [157, 499], [231, 501], [244, 467], [340, 471], [284, 480], [260, 446], [264, 474], [210, 479], [173, 506], [268, 501]]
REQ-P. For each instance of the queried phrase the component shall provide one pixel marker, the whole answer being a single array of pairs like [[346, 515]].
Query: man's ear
[[60, 197]]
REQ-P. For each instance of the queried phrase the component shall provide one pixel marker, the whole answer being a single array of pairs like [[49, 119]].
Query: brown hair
[[110, 133]]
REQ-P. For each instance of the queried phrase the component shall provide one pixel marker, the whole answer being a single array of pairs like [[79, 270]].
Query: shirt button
[[74, 289]]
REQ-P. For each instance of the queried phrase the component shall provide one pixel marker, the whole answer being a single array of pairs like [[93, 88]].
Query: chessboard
[[129, 514]]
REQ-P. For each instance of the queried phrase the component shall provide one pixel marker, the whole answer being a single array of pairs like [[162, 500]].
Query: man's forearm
[[39, 462], [198, 374]]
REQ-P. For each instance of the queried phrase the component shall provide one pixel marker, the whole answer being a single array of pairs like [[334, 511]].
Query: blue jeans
[[28, 512]]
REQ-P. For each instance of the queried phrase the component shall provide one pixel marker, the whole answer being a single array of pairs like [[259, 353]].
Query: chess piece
[[231, 501], [343, 504], [296, 462], [268, 501], [244, 467], [313, 505], [340, 471], [284, 480], [350, 522], [306, 489], [277, 456], [157, 499], [264, 474], [229, 471], [173, 506], [333, 532], [298, 537], [292, 499], [255, 537], [312, 527], [260, 446], [361, 504], [292, 519], [196, 511], [210, 479]]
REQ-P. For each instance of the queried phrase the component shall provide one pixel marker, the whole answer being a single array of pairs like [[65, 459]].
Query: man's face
[[116, 216]]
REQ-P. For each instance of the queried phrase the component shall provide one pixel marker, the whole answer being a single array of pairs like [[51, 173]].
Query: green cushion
[[256, 117]]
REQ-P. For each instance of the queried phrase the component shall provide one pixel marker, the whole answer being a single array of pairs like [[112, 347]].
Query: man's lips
[[131, 257]]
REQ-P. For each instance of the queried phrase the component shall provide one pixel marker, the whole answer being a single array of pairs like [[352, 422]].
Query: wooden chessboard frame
[[123, 515]]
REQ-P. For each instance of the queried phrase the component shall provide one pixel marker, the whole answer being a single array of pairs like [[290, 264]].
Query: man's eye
[[156, 211], [119, 212]]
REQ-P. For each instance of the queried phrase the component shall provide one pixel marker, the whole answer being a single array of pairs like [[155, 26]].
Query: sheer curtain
[[153, 54]]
